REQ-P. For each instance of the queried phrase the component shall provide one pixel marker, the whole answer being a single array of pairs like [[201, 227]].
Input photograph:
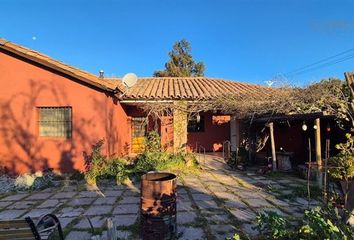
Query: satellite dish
[[130, 79]]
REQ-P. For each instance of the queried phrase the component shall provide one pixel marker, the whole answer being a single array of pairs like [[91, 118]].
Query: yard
[[214, 204]]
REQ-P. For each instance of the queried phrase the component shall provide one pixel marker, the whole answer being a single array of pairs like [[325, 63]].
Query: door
[[138, 134]]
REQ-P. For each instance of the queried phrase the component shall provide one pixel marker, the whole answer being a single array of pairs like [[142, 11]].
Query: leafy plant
[[152, 142], [98, 165], [162, 161], [272, 225], [342, 165], [318, 223], [324, 223], [77, 175]]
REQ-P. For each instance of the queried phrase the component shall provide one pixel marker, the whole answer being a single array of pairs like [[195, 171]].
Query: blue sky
[[250, 41]]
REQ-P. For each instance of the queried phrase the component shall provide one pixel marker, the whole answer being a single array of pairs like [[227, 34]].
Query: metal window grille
[[139, 127], [55, 122]]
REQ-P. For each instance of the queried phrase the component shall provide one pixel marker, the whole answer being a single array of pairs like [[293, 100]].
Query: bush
[[154, 159], [324, 223], [99, 166], [152, 142], [273, 226], [318, 223], [342, 165], [162, 161], [77, 175]]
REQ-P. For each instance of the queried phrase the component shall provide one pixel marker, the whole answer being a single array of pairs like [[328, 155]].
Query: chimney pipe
[[101, 74]]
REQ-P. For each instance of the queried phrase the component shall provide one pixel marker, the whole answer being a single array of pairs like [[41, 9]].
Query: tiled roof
[[51, 63], [192, 88], [169, 88]]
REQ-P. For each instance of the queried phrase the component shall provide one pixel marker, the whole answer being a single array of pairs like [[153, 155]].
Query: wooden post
[[274, 156], [318, 151]]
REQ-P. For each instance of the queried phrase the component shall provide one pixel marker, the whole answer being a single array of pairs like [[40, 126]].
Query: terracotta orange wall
[[214, 133], [25, 86]]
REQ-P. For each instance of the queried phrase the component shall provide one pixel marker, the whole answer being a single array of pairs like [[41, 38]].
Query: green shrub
[[324, 223], [342, 165], [99, 166], [152, 142], [273, 226], [163, 161], [77, 175], [318, 223]]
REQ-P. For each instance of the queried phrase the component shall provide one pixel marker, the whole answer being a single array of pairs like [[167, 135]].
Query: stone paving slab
[[82, 201], [124, 220], [126, 209], [36, 213], [258, 203], [235, 204], [50, 203], [209, 204], [120, 234], [217, 188], [64, 195], [105, 201], [132, 193], [201, 197], [243, 214], [99, 210], [15, 197], [78, 235], [226, 195], [113, 193], [276, 210], [66, 221], [39, 196], [71, 212], [11, 214], [278, 202], [222, 231], [218, 217], [183, 205], [186, 217], [182, 191], [22, 205], [88, 194], [191, 233], [97, 222], [130, 200], [5, 204]]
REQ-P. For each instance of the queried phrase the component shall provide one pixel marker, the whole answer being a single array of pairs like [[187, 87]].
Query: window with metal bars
[[55, 122]]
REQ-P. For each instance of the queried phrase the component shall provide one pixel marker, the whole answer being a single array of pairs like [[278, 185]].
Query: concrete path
[[214, 204]]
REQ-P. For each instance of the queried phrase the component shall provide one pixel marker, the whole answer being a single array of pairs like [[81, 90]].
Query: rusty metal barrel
[[158, 206]]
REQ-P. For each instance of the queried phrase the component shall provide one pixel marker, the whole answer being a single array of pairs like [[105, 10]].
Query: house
[[52, 113]]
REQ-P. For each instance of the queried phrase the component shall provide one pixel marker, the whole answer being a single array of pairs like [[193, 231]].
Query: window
[[55, 122], [196, 126]]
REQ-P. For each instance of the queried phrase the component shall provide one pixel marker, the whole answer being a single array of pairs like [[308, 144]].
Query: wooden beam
[[318, 151], [274, 156], [318, 142]]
